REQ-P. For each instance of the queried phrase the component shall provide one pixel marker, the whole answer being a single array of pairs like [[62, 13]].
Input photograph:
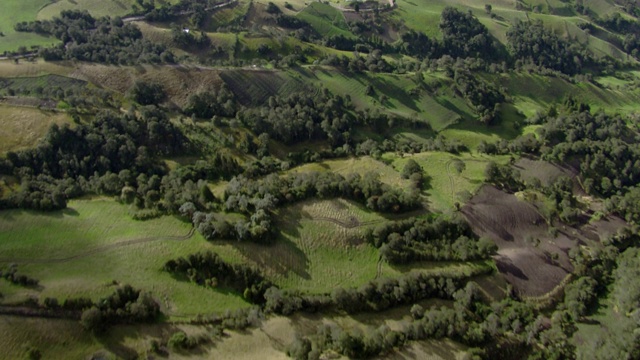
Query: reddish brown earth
[[529, 258]]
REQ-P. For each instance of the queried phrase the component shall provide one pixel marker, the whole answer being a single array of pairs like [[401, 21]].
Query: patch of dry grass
[[22, 127]]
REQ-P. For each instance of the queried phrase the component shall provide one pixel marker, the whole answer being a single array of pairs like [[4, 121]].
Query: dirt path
[[379, 268], [448, 166], [99, 250]]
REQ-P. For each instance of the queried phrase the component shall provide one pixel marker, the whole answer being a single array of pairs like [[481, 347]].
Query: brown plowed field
[[531, 259]]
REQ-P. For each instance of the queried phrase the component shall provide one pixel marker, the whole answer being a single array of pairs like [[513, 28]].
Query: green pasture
[[15, 11], [444, 185], [88, 225], [325, 19]]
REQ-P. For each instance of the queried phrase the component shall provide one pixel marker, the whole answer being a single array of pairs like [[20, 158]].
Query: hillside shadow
[[282, 257], [393, 91]]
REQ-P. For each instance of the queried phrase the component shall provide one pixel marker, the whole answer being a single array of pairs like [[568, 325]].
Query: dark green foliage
[[244, 195], [11, 274], [125, 305], [91, 157], [273, 8], [302, 116], [481, 95], [531, 42], [579, 296], [376, 295], [410, 168], [503, 176], [147, 93], [604, 146], [208, 269], [97, 40], [464, 36], [291, 22], [438, 239], [207, 104]]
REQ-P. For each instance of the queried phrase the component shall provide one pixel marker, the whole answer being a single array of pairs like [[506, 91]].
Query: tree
[[411, 167], [92, 319], [459, 165], [147, 93], [487, 8]]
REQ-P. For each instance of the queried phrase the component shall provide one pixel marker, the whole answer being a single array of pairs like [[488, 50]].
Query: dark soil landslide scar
[[532, 269]]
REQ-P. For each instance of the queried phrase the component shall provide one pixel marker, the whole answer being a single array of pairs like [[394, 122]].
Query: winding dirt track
[[450, 179], [99, 249]]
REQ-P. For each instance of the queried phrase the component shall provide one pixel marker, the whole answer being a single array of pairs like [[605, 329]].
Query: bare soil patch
[[530, 257], [548, 172]]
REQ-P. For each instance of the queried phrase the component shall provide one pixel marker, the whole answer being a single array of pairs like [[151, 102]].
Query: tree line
[[429, 239], [208, 269]]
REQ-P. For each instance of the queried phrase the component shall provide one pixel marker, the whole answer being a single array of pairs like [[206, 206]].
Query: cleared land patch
[[444, 185], [180, 82], [530, 257], [23, 127]]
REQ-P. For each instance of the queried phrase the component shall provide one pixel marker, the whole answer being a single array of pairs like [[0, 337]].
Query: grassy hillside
[[81, 251], [325, 19], [14, 11], [444, 184]]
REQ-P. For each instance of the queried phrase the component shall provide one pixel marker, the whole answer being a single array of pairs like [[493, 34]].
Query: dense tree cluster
[[429, 239], [481, 95], [211, 103], [245, 195], [100, 156], [208, 269], [531, 42], [302, 116], [101, 40], [125, 305], [147, 93], [463, 36]]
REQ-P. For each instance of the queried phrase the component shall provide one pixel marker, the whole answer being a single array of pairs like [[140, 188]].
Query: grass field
[[325, 19], [15, 11], [539, 92], [22, 127], [96, 8], [440, 109], [444, 183], [99, 224]]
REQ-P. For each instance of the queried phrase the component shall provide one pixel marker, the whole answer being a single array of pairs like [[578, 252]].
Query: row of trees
[[430, 239], [374, 296], [208, 269], [125, 305], [11, 274]]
